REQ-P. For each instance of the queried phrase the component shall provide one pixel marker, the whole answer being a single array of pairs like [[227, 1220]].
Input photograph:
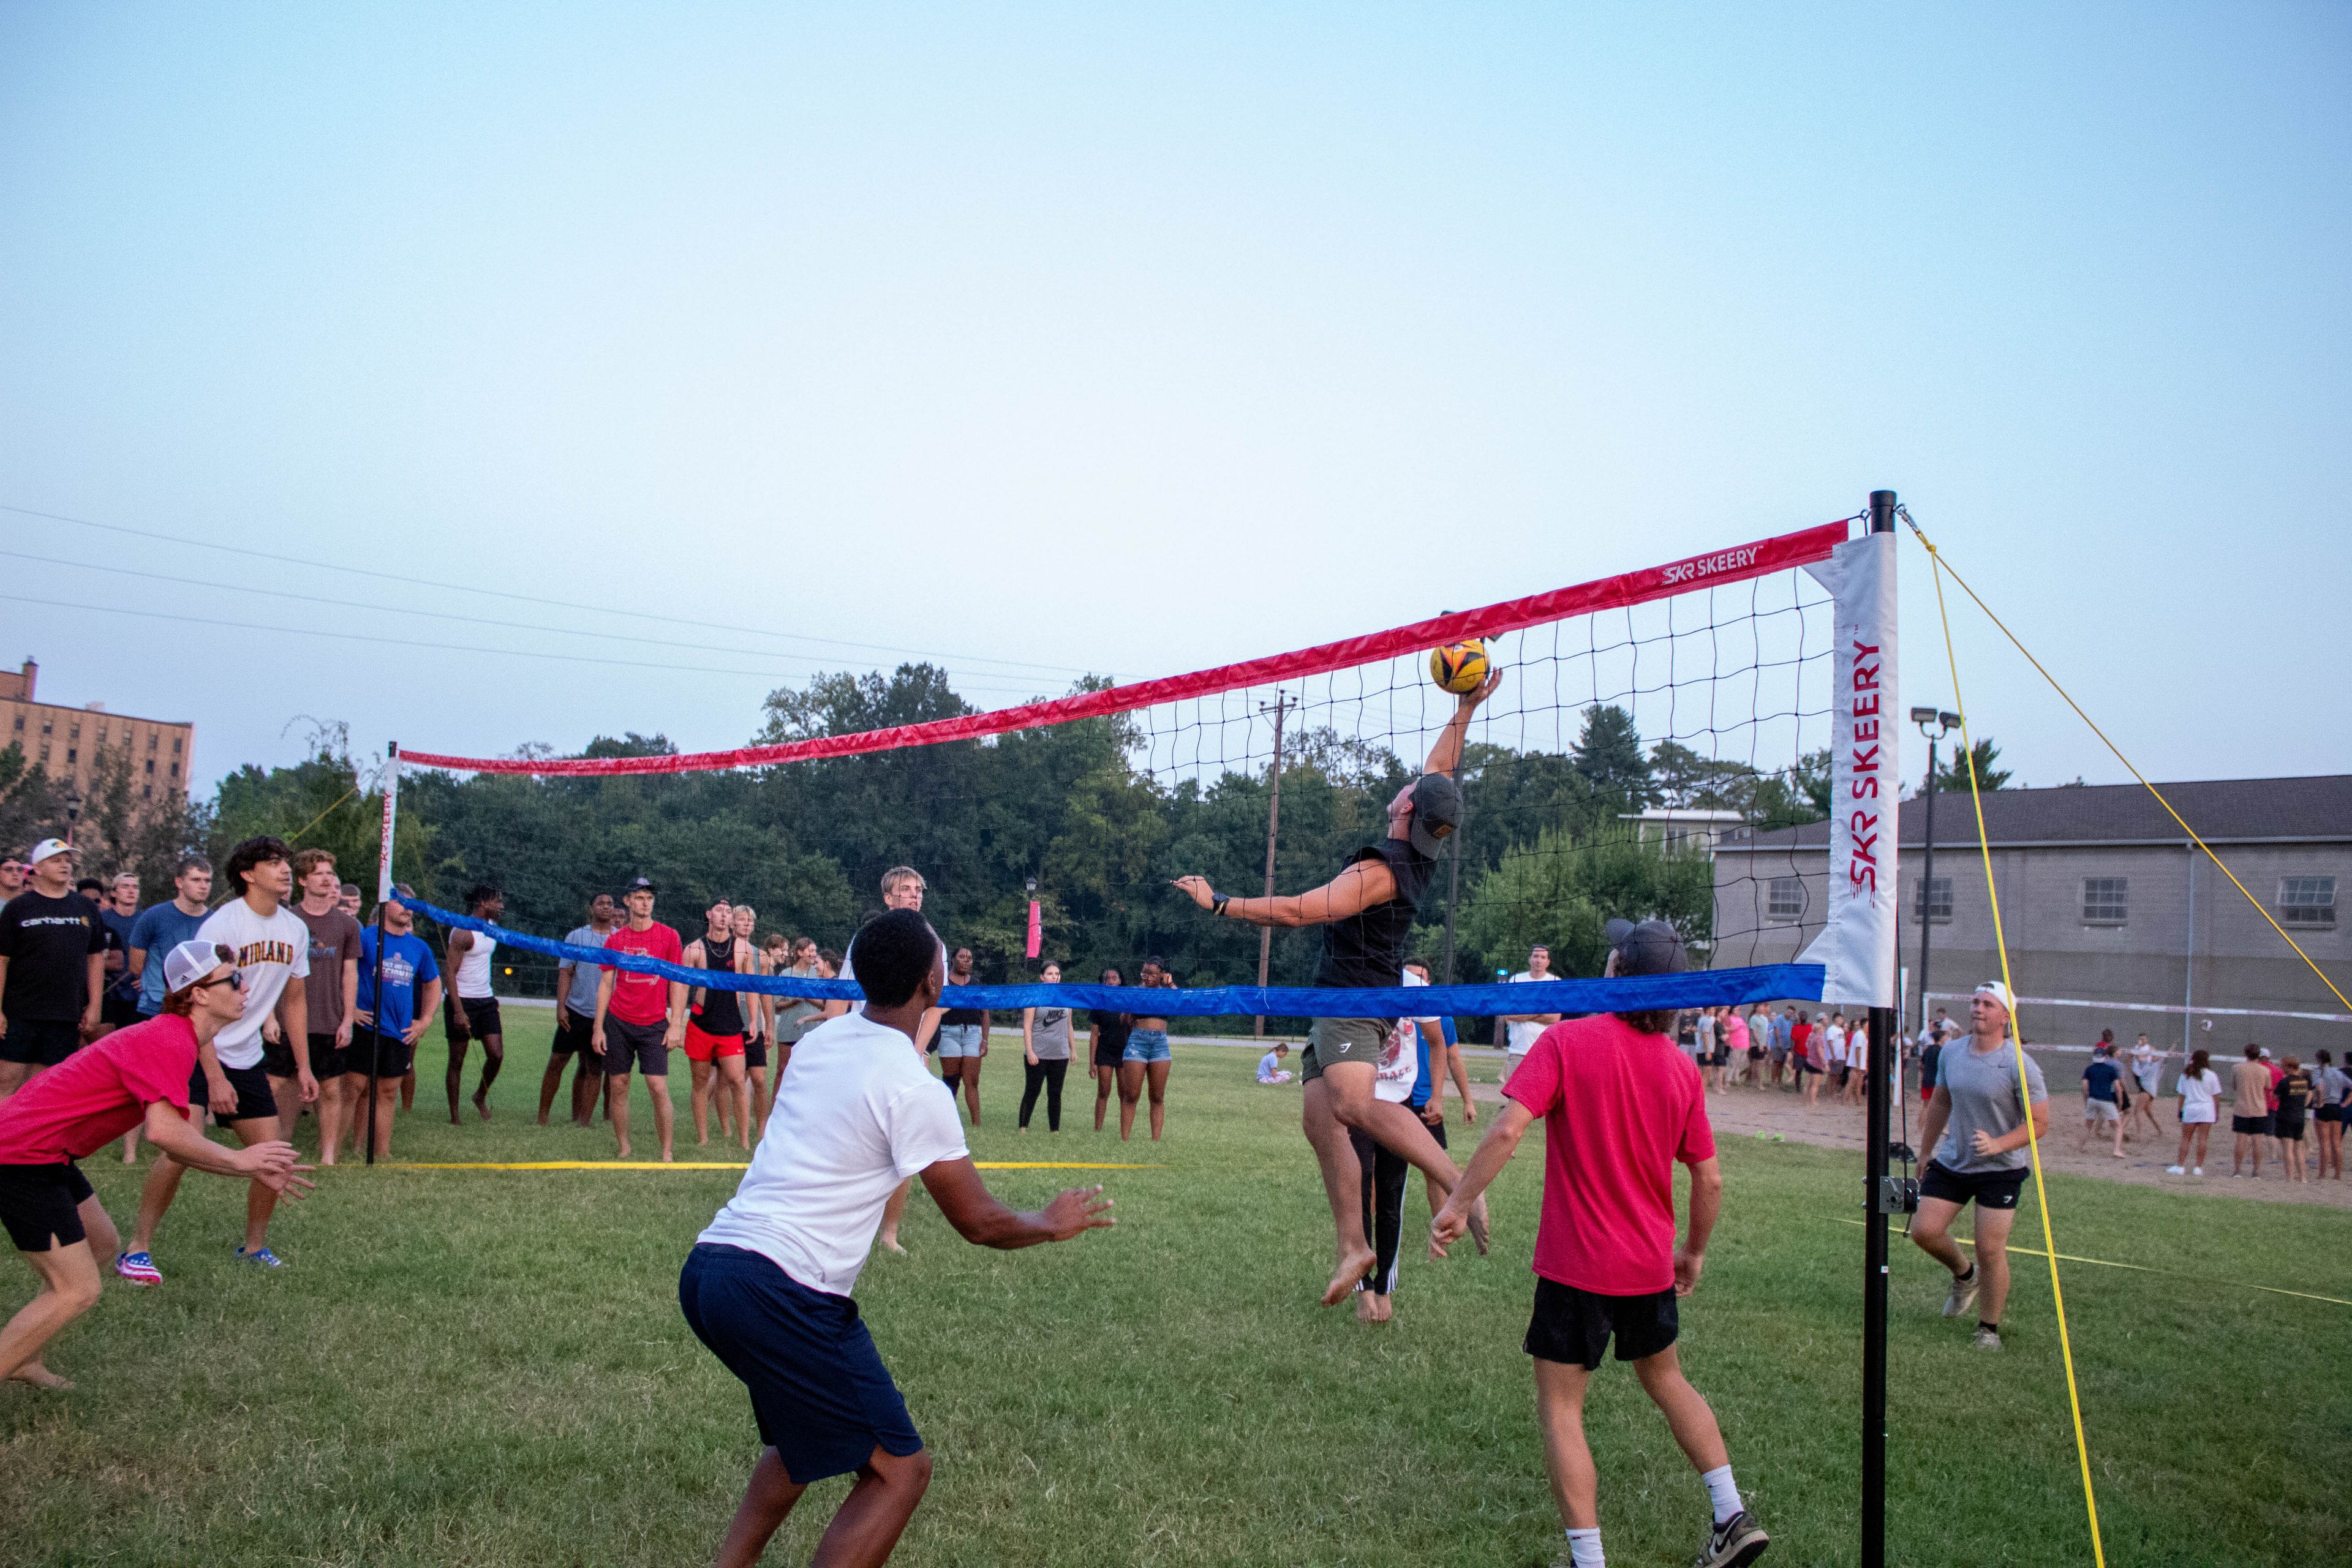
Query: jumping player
[[1620, 1106], [473, 1006], [575, 1020], [1367, 913], [714, 1026], [767, 1285], [133, 1077], [273, 955], [640, 1018]]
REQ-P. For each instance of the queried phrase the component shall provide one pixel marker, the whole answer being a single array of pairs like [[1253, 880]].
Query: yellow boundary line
[[2144, 1268], [715, 1165]]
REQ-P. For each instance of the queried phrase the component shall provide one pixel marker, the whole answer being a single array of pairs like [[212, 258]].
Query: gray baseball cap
[[1646, 947], [1436, 812]]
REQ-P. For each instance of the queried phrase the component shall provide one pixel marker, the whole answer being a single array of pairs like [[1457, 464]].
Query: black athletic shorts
[[277, 1060], [1573, 1327], [1990, 1189], [254, 1097], [2286, 1127], [371, 1055], [2260, 1124], [2329, 1113], [327, 1059], [634, 1048], [119, 1010], [482, 1016], [575, 1031], [755, 1050], [41, 1042], [40, 1205]]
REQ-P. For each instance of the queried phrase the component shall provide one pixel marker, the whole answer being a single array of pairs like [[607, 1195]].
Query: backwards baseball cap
[[192, 961], [1999, 993], [47, 849], [639, 885], [1646, 947], [1436, 812]]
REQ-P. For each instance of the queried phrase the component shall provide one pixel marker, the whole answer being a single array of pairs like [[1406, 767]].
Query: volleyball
[[1459, 667]]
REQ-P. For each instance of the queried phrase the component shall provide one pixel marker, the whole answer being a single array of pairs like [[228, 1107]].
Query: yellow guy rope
[[2258, 907], [2024, 1095], [322, 816]]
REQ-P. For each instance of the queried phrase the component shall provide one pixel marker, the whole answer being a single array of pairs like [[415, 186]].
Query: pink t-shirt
[[1618, 1110], [98, 1093], [643, 999]]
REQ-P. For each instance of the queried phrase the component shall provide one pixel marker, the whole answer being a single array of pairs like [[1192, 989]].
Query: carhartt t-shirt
[[48, 942], [1619, 1109], [643, 998], [269, 950], [98, 1093], [1983, 1089], [857, 1114]]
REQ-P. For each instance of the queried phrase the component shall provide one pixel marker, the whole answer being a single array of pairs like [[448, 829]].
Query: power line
[[404, 642], [522, 598]]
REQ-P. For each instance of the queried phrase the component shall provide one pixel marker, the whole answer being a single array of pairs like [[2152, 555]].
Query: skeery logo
[[1863, 763], [1714, 565]]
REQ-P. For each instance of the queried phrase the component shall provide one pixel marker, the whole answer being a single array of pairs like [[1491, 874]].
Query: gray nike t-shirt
[[1984, 1095]]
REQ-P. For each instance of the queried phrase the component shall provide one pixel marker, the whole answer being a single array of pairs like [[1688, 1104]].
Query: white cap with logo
[[48, 849], [1999, 993], [191, 962]]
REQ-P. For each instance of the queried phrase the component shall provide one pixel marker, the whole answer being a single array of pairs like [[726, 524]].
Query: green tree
[[1609, 756], [1562, 889], [1954, 773]]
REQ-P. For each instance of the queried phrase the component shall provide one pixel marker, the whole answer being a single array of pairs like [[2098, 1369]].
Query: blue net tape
[[1698, 988]]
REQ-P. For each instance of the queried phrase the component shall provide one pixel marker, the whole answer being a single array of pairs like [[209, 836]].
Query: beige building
[[67, 741]]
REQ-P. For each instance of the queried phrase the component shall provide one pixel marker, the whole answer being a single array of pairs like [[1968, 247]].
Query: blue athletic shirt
[[407, 964], [1419, 1098], [159, 928]]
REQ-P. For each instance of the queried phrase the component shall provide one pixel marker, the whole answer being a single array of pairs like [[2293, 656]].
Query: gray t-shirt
[[1984, 1095], [581, 997], [1049, 1033], [796, 1015]]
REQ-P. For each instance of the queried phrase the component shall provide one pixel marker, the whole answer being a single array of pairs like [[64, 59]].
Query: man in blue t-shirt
[[160, 928], [383, 1040], [2100, 1109]]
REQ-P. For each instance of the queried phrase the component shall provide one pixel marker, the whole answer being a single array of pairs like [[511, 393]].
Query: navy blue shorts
[[824, 1400]]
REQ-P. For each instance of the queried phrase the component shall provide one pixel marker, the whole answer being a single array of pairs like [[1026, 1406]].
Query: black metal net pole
[[1883, 1067]]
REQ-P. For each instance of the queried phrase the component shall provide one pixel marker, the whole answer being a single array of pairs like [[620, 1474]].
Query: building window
[[175, 745], [148, 793], [2105, 900], [151, 765], [1937, 891], [20, 721], [2307, 901], [72, 756], [1784, 899]]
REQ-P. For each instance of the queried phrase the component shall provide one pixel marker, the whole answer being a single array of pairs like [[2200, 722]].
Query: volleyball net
[[1641, 720]]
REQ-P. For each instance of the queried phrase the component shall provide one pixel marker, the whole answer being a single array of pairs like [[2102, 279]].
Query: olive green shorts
[[1333, 1040]]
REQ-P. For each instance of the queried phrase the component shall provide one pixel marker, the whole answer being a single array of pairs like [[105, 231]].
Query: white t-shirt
[[268, 950], [1835, 1043], [857, 1114], [1268, 1066], [1857, 1048], [1398, 1069], [2198, 1092], [1523, 1036]]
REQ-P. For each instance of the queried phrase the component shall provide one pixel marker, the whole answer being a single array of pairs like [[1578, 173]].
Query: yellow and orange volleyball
[[1459, 667]]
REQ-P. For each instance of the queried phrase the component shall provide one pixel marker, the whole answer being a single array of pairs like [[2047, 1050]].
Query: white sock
[[1584, 1548], [1721, 1492]]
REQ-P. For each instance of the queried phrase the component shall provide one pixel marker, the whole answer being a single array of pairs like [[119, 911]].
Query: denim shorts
[[960, 1039], [1147, 1046]]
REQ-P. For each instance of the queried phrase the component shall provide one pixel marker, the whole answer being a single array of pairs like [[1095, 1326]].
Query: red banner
[[1756, 560]]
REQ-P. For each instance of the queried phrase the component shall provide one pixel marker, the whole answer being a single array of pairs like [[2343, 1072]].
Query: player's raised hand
[[1077, 1209], [1196, 889], [1484, 689]]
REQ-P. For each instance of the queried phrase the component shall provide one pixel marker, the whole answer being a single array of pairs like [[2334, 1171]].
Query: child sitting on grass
[[1269, 1066]]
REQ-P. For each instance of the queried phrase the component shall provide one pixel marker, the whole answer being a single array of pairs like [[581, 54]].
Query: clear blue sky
[[1107, 338]]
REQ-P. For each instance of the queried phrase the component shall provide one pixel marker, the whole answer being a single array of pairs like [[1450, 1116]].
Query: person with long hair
[[2148, 1072], [1107, 1047], [2199, 1090], [1147, 1059], [2335, 1103], [962, 1039], [1045, 1055]]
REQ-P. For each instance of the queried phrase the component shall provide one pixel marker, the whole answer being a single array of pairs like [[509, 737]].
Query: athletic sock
[[1584, 1548], [1989, 1328], [1722, 1492], [1969, 1274]]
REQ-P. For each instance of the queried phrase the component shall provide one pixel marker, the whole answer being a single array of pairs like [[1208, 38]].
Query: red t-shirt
[[1618, 1110], [98, 1093], [1798, 1035], [643, 998]]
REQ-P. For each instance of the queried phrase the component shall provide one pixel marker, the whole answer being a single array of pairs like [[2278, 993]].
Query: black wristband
[[1218, 901]]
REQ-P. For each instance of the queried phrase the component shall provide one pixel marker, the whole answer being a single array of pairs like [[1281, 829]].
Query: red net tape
[[1759, 559]]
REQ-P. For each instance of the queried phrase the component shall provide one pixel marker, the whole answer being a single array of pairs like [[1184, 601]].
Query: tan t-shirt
[[2251, 1086]]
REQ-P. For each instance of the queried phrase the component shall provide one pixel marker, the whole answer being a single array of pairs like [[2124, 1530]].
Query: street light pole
[[1281, 705], [1944, 724]]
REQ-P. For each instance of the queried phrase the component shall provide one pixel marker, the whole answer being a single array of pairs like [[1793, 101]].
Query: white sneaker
[[2197, 1172], [1964, 1293], [2175, 1170], [1986, 1339]]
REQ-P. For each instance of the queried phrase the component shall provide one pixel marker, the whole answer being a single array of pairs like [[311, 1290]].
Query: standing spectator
[[1146, 1063], [2147, 1071], [1834, 1046], [1931, 1051], [329, 993], [52, 969], [1523, 1029], [13, 872], [1707, 1047], [2335, 1097], [1106, 1047], [473, 1001], [714, 1027], [962, 1039], [119, 1009], [759, 1013], [1759, 1022], [159, 928], [1045, 1055], [796, 1015], [347, 898], [1782, 1022], [2100, 1081], [2201, 1091], [1802, 1052], [640, 1018], [575, 1019], [2290, 1101], [2250, 1111], [391, 1013], [1736, 1046]]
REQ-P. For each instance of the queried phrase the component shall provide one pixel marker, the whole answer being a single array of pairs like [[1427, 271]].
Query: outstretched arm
[[981, 1219], [1351, 892], [1446, 757], [1494, 1152]]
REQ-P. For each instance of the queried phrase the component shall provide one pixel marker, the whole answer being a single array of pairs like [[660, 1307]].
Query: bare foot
[[890, 1241], [1353, 1267], [1371, 1307], [1478, 1232], [40, 1376], [624, 1153], [667, 1157], [482, 1102]]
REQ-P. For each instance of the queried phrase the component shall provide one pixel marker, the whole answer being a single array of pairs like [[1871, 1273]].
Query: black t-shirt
[[48, 942], [2293, 1094], [1368, 948]]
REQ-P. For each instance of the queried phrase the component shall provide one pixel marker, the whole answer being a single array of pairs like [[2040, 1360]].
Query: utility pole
[[1280, 706], [1945, 723], [1454, 876]]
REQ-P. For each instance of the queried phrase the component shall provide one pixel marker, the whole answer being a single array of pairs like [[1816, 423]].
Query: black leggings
[[1385, 1175], [1046, 1076]]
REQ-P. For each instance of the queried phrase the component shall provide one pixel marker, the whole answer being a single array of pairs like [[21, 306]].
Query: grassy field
[[468, 1367]]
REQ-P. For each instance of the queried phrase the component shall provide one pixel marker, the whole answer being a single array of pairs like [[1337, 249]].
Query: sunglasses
[[234, 980]]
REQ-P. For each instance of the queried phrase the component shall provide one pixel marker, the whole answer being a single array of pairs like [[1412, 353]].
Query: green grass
[[489, 1368]]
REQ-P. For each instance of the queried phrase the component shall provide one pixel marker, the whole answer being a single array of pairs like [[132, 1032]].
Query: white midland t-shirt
[[857, 1114], [1523, 1036], [268, 950]]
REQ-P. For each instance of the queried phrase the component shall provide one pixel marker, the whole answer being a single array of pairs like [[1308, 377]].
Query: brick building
[[67, 741], [2103, 899]]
